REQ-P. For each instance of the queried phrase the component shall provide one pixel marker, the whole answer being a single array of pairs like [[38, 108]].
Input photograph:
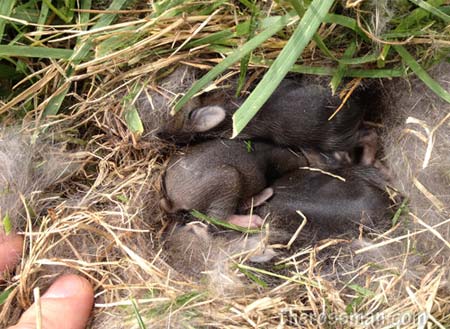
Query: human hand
[[66, 304]]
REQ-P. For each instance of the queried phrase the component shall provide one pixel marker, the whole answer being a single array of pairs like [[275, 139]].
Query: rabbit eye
[[190, 115]]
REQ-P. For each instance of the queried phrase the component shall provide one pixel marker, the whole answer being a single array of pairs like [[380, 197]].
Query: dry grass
[[104, 221]]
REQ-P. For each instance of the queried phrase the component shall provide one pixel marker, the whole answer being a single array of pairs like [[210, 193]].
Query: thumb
[[66, 304]]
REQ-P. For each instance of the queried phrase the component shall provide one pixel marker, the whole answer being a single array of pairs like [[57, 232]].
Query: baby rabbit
[[296, 115], [331, 206], [216, 176], [192, 249]]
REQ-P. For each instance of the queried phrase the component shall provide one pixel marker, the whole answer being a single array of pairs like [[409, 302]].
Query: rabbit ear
[[206, 118]]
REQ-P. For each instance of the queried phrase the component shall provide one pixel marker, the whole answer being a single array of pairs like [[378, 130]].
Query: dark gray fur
[[295, 115], [330, 205], [213, 177]]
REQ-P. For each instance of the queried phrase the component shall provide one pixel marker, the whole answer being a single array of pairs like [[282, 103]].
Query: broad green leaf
[[281, 66], [39, 52], [4, 295], [7, 225], [133, 120], [361, 290], [233, 58], [122, 198], [422, 74]]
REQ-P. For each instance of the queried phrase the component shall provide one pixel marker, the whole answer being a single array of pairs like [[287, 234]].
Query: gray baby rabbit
[[296, 115], [331, 206], [216, 176]]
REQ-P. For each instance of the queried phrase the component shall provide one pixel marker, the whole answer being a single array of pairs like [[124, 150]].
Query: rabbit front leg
[[226, 189]]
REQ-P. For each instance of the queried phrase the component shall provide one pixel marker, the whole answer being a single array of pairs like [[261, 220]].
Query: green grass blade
[[422, 74], [84, 17], [214, 221], [107, 19], [138, 316], [381, 60], [42, 19], [38, 52], [297, 278], [57, 12], [431, 9], [347, 22], [237, 55], [329, 71], [300, 9], [84, 47], [416, 16], [323, 47], [55, 103], [26, 12], [375, 73], [216, 37], [251, 33], [403, 209], [281, 66], [359, 60], [6, 7], [406, 23], [69, 8], [253, 277], [339, 74]]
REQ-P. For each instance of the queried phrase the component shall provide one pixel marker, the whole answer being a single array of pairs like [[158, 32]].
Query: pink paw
[[250, 221]]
